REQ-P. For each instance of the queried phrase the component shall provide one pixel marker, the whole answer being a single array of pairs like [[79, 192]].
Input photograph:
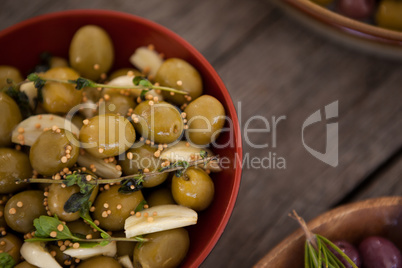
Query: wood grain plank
[[287, 70], [387, 182], [213, 27]]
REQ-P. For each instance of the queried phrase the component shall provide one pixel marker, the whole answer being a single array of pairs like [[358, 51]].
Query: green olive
[[91, 51], [166, 249], [10, 117], [13, 165], [195, 189], [205, 120], [25, 264], [118, 104], [143, 158], [107, 135], [160, 122], [100, 261], [60, 257], [60, 97], [124, 247], [54, 150], [58, 62], [389, 14], [162, 196], [57, 198], [179, 74], [113, 208], [23, 208], [82, 228], [11, 244], [9, 72], [123, 71]]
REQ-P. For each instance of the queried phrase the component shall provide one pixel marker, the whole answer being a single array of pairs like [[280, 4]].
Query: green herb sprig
[[138, 83], [317, 252], [52, 229], [6, 261]]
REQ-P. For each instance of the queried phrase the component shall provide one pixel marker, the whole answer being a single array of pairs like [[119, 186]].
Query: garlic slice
[[164, 217], [125, 261], [182, 152], [85, 253], [103, 169], [33, 126], [35, 254], [31, 91], [145, 58]]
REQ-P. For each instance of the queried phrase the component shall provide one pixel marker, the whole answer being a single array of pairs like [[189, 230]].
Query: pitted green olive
[[113, 208], [179, 74], [124, 247], [57, 198], [53, 151], [13, 165], [118, 104], [141, 158], [107, 135], [25, 264], [162, 196], [22, 209], [9, 72], [167, 249], [195, 189], [60, 97], [91, 51], [205, 120], [10, 117], [160, 122], [11, 244], [100, 261]]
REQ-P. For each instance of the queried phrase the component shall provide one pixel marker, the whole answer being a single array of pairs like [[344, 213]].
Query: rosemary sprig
[[317, 252], [80, 83]]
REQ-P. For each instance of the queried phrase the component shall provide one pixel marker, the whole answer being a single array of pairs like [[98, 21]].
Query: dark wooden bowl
[[352, 222]]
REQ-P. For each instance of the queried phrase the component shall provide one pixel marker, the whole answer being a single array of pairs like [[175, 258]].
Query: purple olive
[[378, 252], [356, 9], [349, 250]]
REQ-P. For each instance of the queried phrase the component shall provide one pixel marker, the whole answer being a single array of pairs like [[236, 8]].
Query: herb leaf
[[45, 225], [132, 184], [81, 82], [6, 261], [77, 201], [140, 206]]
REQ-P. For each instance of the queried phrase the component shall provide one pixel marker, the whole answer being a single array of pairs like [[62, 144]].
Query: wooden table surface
[[273, 67]]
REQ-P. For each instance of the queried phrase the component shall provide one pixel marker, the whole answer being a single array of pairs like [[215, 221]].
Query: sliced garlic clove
[[125, 261], [123, 81], [145, 58], [164, 217], [34, 125], [31, 91], [109, 250], [103, 169], [35, 254], [183, 151]]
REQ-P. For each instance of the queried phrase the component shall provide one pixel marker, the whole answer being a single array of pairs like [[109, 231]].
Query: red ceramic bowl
[[22, 44]]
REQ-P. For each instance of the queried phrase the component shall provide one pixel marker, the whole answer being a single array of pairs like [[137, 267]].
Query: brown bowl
[[352, 32], [352, 222]]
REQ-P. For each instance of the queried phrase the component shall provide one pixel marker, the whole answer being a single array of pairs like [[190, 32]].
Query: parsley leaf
[[6, 261]]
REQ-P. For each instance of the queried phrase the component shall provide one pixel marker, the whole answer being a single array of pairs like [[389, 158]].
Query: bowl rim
[[345, 24], [217, 233], [326, 217]]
